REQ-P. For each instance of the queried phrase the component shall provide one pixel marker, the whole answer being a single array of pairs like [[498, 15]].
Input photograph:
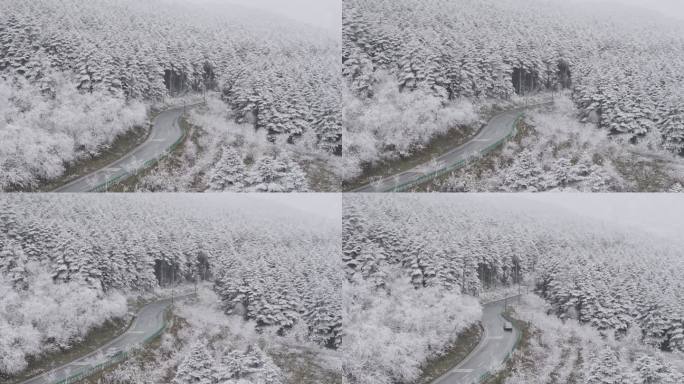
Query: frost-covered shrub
[[40, 134], [394, 123], [47, 316], [389, 333]]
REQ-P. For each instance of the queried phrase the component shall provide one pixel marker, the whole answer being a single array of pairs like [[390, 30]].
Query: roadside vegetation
[[554, 152], [567, 352], [221, 155], [465, 343]]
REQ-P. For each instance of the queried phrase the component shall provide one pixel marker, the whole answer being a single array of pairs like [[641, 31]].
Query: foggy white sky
[[324, 205], [325, 14], [669, 8], [660, 214], [672, 8]]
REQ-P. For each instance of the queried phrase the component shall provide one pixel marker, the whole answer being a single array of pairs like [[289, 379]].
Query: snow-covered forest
[[74, 74], [70, 262], [616, 282], [622, 69]]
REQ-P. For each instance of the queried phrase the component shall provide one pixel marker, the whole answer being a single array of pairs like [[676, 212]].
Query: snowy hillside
[[274, 74], [613, 281], [567, 351], [225, 156], [75, 256], [624, 70]]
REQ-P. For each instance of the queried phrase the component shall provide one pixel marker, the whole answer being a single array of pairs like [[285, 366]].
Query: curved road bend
[[148, 321], [496, 129], [490, 353], [165, 132]]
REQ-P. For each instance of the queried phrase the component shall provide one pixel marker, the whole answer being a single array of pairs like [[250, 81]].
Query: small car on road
[[508, 327]]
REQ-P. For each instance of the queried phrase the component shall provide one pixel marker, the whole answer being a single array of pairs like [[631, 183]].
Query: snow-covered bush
[[389, 333], [395, 124], [41, 315], [40, 134], [228, 173]]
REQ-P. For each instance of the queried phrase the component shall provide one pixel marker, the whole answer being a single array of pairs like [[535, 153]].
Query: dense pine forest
[[68, 263]]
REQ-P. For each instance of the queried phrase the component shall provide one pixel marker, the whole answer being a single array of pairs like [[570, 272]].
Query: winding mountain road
[[490, 353], [164, 134], [497, 130], [148, 321]]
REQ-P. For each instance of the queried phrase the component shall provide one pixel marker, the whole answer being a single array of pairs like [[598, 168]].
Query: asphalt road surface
[[496, 129], [148, 321], [164, 133], [490, 353]]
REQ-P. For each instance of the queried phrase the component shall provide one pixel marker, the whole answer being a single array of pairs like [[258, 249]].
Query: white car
[[508, 327]]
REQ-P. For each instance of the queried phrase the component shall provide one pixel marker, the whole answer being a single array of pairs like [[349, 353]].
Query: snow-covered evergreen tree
[[228, 173]]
